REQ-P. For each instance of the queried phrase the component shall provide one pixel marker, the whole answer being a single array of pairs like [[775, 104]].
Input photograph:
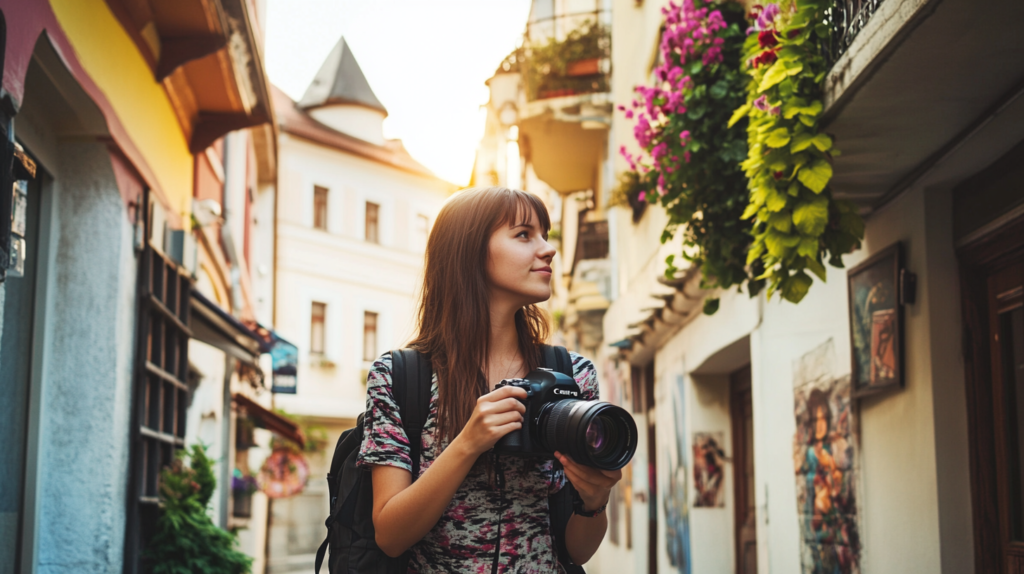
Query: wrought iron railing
[[847, 18]]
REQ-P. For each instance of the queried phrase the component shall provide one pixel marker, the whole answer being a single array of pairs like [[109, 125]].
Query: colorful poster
[[675, 498], [825, 460], [708, 470]]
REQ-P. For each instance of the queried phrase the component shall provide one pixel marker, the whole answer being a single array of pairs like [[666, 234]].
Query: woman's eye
[[524, 234]]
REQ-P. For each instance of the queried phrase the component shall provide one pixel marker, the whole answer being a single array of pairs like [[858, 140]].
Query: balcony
[[922, 92], [565, 107]]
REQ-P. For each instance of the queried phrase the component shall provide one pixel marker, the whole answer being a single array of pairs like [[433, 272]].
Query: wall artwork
[[876, 322], [675, 497], [708, 470], [825, 460]]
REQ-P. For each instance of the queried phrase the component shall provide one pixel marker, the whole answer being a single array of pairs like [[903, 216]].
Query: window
[[319, 207], [422, 231], [369, 336], [316, 328], [372, 222]]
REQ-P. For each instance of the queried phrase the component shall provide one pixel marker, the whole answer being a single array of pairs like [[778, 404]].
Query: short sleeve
[[384, 439], [585, 373]]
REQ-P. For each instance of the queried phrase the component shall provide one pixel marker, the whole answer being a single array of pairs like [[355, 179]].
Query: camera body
[[543, 387]]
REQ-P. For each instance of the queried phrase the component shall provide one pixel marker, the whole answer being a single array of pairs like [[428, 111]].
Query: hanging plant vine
[[690, 161], [797, 223]]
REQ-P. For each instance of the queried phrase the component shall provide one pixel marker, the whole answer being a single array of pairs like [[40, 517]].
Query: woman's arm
[[584, 535], [403, 510]]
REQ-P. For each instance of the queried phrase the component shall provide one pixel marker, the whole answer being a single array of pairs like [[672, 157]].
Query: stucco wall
[[84, 446], [913, 448]]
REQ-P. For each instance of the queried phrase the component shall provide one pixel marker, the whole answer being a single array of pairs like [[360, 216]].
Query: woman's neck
[[503, 347]]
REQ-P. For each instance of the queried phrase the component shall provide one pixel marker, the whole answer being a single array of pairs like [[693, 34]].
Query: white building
[[353, 214]]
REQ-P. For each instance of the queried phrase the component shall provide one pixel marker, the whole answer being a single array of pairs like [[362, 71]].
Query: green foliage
[[545, 66], [797, 223], [695, 172], [187, 541]]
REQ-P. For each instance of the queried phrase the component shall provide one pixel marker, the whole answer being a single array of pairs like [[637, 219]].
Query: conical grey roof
[[340, 81]]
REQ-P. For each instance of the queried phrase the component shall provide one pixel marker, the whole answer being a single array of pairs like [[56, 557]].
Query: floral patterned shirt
[[464, 537]]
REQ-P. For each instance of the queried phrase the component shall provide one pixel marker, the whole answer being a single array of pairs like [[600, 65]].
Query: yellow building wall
[[110, 57]]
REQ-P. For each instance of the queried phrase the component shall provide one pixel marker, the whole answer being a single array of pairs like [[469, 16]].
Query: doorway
[[642, 383], [992, 279], [742, 415]]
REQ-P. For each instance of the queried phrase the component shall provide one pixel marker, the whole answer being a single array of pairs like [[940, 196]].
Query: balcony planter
[[556, 68], [587, 67], [242, 488]]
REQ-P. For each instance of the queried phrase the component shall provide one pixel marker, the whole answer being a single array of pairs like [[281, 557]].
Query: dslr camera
[[592, 433]]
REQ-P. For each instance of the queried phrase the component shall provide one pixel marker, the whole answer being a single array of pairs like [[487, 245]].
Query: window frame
[[314, 320], [375, 220], [321, 204]]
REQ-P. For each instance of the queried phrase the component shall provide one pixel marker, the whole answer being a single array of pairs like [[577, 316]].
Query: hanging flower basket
[[284, 474]]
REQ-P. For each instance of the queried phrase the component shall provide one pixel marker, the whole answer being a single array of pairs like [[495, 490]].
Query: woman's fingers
[[499, 419]]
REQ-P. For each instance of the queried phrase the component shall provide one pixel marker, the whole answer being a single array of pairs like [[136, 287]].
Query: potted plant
[[243, 485], [186, 540]]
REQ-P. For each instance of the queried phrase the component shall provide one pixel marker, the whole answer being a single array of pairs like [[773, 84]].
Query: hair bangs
[[519, 209]]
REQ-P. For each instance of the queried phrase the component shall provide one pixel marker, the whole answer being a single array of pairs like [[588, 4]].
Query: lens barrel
[[593, 433]]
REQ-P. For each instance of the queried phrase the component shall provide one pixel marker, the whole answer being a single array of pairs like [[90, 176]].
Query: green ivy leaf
[[795, 287], [822, 142], [774, 75], [808, 247], [711, 305], [778, 138], [811, 217], [740, 112], [783, 221], [775, 201], [816, 268], [801, 141], [816, 176]]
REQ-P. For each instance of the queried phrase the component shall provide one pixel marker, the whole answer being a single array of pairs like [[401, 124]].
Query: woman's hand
[[496, 414], [594, 485]]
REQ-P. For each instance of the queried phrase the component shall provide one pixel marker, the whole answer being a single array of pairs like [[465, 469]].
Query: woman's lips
[[546, 270]]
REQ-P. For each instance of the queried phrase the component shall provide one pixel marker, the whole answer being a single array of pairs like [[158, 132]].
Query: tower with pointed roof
[[341, 97]]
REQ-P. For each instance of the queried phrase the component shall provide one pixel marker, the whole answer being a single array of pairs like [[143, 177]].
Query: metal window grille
[[161, 392], [316, 328], [372, 222], [320, 207], [369, 336]]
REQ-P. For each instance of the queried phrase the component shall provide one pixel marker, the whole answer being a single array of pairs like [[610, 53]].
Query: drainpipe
[[225, 229], [236, 308]]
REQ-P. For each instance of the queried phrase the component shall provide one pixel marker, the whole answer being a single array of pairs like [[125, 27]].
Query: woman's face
[[519, 263]]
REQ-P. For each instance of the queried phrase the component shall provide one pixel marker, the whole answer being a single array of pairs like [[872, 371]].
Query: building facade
[[756, 418], [354, 212], [144, 147]]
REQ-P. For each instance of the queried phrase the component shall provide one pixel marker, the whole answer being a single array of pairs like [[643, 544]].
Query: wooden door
[[643, 402], [1006, 334], [742, 414]]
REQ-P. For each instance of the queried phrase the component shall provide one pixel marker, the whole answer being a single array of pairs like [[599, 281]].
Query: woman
[[487, 266]]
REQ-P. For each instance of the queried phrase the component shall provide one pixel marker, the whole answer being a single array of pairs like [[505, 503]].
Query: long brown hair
[[454, 323]]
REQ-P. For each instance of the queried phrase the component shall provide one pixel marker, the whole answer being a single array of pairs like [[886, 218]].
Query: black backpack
[[350, 534]]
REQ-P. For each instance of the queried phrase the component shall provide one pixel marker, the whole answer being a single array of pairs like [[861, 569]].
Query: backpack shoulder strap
[[411, 376], [557, 359]]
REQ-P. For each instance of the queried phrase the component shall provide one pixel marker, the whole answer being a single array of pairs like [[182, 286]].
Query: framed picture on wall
[[876, 322]]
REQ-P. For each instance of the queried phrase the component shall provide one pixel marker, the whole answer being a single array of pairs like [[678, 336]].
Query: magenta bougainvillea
[[689, 159]]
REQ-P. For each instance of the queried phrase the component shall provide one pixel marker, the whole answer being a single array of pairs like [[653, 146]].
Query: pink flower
[[684, 137], [642, 196]]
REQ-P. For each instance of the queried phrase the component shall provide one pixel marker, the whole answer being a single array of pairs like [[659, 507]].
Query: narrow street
[[788, 243]]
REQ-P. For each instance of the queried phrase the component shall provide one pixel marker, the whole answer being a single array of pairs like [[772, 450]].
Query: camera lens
[[593, 433]]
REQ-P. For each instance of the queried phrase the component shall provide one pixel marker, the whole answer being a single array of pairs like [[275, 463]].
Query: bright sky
[[426, 61]]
